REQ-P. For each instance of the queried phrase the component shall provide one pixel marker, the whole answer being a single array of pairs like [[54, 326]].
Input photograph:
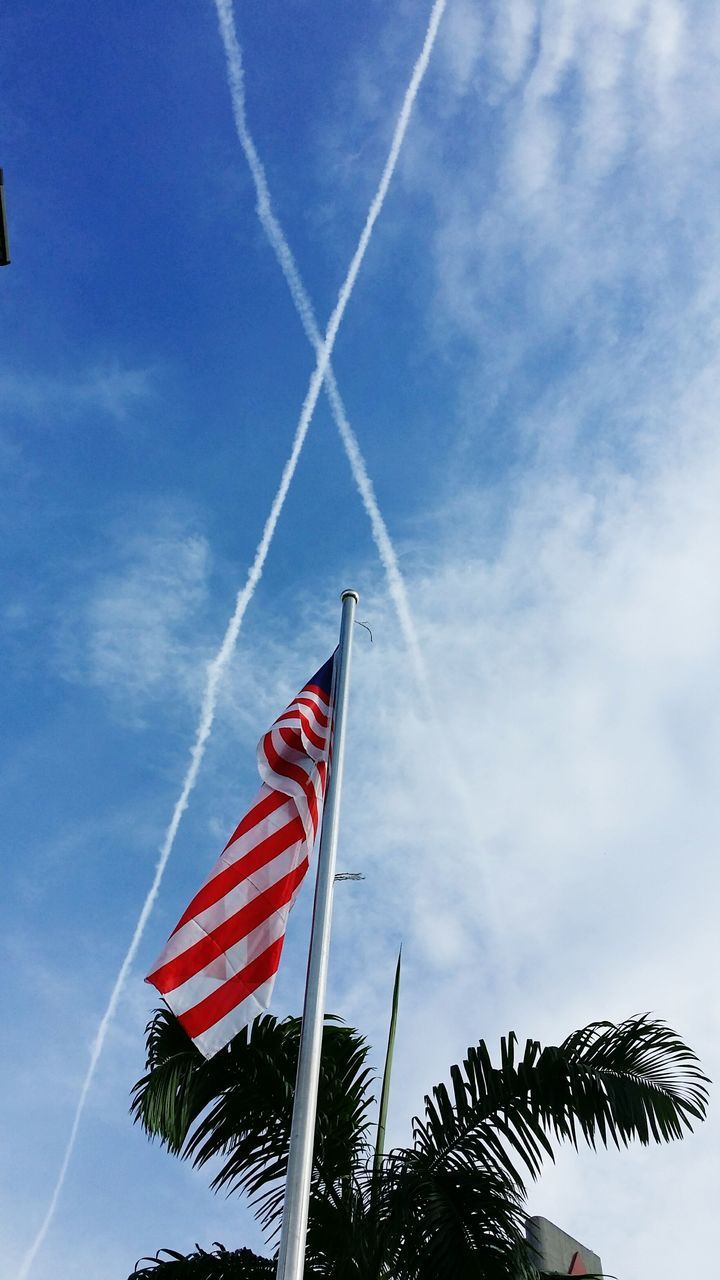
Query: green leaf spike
[[385, 1093]]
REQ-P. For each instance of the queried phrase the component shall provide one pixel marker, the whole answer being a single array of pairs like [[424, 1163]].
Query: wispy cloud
[[583, 195], [566, 601], [108, 388], [216, 667], [134, 626], [575, 661]]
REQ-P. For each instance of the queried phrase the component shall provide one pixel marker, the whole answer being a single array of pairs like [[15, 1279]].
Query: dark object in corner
[[4, 246]]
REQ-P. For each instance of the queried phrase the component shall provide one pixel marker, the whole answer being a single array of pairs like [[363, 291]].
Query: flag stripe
[[239, 925], [307, 730], [214, 975], [217, 969], [230, 876], [323, 694], [260, 810], [240, 1015], [291, 770], [322, 720], [242, 984], [305, 706], [239, 897], [205, 922]]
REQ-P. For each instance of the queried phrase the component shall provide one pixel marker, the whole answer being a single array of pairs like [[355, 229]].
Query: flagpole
[[291, 1258]]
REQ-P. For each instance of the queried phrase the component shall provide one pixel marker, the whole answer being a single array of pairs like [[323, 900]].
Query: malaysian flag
[[218, 968]]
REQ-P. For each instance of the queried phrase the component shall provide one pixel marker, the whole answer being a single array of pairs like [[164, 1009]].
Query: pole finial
[[350, 591]]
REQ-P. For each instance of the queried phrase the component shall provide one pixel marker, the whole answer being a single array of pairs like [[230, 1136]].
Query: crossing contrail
[[304, 307], [218, 665], [215, 671], [462, 790]]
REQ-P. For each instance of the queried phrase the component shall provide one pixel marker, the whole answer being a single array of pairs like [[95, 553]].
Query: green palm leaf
[[238, 1105], [387, 1072], [451, 1206], [220, 1264], [606, 1083], [449, 1223]]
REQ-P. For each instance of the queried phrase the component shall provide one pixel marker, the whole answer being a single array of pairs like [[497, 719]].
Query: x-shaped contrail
[[304, 307], [321, 373]]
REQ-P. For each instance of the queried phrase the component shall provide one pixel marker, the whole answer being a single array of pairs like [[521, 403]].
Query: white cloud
[[558, 33], [575, 665], [574, 183], [134, 630], [107, 388], [570, 615], [461, 40], [514, 28], [574, 662]]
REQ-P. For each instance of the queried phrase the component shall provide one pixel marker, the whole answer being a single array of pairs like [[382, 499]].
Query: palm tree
[[220, 1264], [451, 1205]]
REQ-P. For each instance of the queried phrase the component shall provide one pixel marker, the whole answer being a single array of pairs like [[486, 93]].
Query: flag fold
[[218, 967]]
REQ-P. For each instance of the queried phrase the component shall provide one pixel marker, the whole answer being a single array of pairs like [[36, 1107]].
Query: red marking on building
[[577, 1266]]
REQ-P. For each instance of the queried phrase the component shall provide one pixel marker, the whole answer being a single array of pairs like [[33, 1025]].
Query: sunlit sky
[[529, 360]]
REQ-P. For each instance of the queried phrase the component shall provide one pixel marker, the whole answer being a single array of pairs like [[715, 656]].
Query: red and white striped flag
[[218, 968]]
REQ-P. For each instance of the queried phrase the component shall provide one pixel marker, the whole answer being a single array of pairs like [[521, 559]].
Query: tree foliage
[[238, 1105], [450, 1206], [220, 1264]]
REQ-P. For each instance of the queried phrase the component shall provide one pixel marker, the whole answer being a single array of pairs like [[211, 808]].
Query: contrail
[[216, 668], [215, 671], [304, 307]]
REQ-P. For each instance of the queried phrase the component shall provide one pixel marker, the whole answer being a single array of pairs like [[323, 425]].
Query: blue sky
[[529, 360]]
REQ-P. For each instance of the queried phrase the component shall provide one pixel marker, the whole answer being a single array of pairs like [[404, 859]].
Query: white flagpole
[[291, 1258]]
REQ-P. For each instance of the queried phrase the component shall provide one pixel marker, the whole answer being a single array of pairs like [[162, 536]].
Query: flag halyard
[[218, 967]]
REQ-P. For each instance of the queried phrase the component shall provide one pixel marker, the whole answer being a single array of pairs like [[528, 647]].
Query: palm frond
[[451, 1207], [606, 1083], [238, 1105], [178, 1083], [344, 1240], [450, 1223], [219, 1264]]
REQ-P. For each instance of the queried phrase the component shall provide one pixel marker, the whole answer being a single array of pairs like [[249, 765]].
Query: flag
[[218, 967]]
